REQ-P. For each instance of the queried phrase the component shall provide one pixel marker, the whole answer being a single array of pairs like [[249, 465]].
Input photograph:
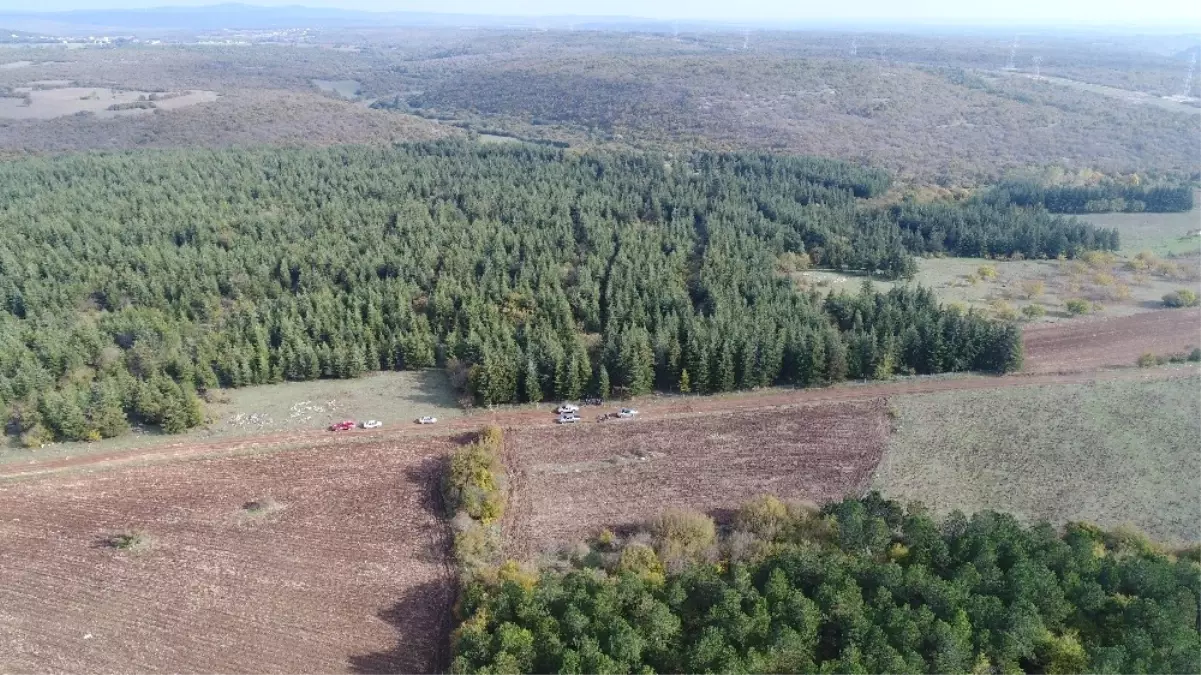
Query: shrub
[[512, 571], [1004, 310], [987, 272], [1032, 288], [133, 541], [641, 560], [1032, 312], [1195, 355], [476, 546], [36, 436], [745, 547], [764, 516], [475, 480], [1147, 360], [474, 490], [682, 536], [606, 540], [261, 507], [1078, 306], [1181, 298], [491, 437]]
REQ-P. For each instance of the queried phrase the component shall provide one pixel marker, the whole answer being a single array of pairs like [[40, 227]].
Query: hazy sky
[[1085, 11]]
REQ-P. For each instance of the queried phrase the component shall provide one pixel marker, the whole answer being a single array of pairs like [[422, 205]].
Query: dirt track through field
[[666, 407]]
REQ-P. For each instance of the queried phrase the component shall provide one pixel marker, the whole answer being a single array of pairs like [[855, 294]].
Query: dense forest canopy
[[864, 586], [131, 281], [1101, 197]]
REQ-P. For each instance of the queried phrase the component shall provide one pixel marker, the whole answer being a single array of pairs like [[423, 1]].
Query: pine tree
[[685, 382], [724, 374], [602, 382], [105, 413], [532, 390]]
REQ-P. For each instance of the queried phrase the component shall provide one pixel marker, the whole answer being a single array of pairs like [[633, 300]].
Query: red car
[[344, 425]]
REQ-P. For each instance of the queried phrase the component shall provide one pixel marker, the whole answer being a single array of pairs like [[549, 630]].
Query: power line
[[1013, 52], [1188, 77]]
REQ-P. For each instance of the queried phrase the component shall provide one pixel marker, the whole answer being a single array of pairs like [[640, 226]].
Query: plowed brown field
[[348, 576], [569, 482], [1088, 344]]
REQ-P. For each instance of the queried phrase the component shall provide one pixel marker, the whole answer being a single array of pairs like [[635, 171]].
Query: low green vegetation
[[1149, 359], [1078, 306], [1181, 298], [134, 541], [863, 586], [133, 283]]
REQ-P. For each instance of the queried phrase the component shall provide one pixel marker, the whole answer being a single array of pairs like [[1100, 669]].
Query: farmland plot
[[568, 483], [1088, 344], [323, 560]]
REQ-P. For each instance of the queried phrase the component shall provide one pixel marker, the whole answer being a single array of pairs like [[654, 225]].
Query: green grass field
[[1112, 453], [1161, 233]]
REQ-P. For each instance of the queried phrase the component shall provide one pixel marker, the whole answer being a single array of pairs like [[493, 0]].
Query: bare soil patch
[[342, 569], [1088, 344], [568, 483]]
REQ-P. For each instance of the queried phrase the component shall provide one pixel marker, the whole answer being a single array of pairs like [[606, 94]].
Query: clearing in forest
[[569, 482], [322, 560], [1109, 452]]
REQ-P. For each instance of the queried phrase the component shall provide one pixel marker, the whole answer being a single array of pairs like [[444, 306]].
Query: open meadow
[[329, 560], [1113, 453]]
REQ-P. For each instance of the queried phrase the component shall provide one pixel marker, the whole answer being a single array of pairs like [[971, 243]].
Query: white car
[[372, 424], [567, 418], [626, 413], [427, 420], [567, 409]]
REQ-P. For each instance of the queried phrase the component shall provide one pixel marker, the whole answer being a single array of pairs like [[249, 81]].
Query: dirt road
[[656, 407]]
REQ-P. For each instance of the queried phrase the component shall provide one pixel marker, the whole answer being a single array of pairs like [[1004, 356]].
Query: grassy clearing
[[1161, 254], [1113, 453], [390, 397], [1161, 233], [347, 89], [1112, 285]]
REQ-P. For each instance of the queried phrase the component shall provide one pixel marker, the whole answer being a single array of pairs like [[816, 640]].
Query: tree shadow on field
[[434, 389], [422, 616]]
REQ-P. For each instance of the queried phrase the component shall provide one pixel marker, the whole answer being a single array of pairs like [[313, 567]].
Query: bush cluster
[[1181, 298], [474, 491], [1149, 359]]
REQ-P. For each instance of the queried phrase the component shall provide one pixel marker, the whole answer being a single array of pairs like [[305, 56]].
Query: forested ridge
[[863, 586], [131, 282]]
